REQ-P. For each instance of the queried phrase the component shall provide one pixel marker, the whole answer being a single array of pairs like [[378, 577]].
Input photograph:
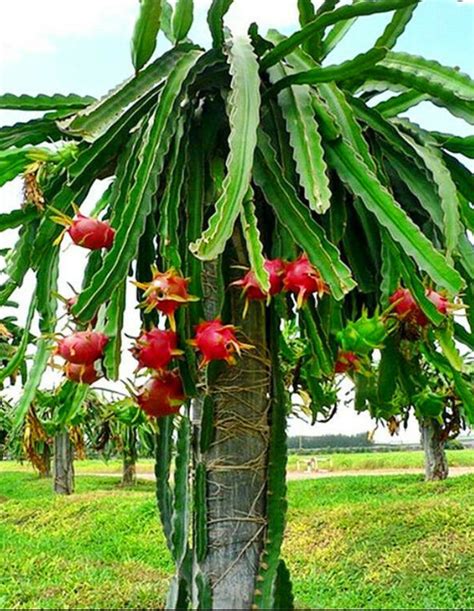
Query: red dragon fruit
[[85, 231], [440, 301], [91, 233], [408, 309], [155, 349], [162, 395], [347, 361], [82, 347], [252, 289], [303, 279], [217, 342], [87, 374], [404, 304], [166, 292]]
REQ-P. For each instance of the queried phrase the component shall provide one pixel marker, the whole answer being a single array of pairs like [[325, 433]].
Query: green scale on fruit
[[364, 335]]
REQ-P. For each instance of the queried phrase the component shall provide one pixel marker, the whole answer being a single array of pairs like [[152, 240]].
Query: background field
[[386, 541], [367, 461], [364, 461]]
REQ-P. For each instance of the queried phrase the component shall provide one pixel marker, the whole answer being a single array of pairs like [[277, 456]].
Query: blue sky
[[85, 49], [70, 51]]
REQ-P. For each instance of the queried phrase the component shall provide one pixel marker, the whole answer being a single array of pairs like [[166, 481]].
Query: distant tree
[[6, 414], [415, 378], [361, 440], [121, 428]]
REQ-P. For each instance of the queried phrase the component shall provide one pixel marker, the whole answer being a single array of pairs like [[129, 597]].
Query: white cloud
[[32, 26], [267, 13], [29, 26]]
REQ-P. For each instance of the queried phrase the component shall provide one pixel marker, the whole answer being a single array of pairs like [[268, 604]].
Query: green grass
[[102, 547], [382, 542], [368, 542], [363, 461], [144, 465]]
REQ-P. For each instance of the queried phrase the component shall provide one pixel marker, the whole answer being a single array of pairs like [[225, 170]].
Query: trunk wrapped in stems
[[63, 463], [433, 441]]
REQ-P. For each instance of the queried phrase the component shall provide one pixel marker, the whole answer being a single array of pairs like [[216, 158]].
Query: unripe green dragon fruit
[[363, 335]]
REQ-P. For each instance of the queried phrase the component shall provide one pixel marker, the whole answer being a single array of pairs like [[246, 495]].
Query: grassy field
[[370, 542], [366, 461]]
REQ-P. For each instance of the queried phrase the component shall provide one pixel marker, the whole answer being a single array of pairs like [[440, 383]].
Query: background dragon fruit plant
[[221, 160]]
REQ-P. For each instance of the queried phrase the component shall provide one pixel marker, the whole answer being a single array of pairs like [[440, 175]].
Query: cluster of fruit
[[155, 349], [299, 277], [83, 349], [408, 310], [362, 336], [167, 291]]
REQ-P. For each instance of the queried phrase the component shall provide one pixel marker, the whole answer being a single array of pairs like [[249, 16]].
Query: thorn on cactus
[[166, 292], [252, 290], [303, 279], [86, 231], [155, 349], [82, 347], [162, 395], [217, 342]]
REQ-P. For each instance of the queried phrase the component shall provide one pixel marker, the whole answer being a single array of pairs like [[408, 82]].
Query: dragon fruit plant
[[245, 155]]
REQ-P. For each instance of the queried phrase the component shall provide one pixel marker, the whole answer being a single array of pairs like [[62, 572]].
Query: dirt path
[[296, 475], [299, 475]]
